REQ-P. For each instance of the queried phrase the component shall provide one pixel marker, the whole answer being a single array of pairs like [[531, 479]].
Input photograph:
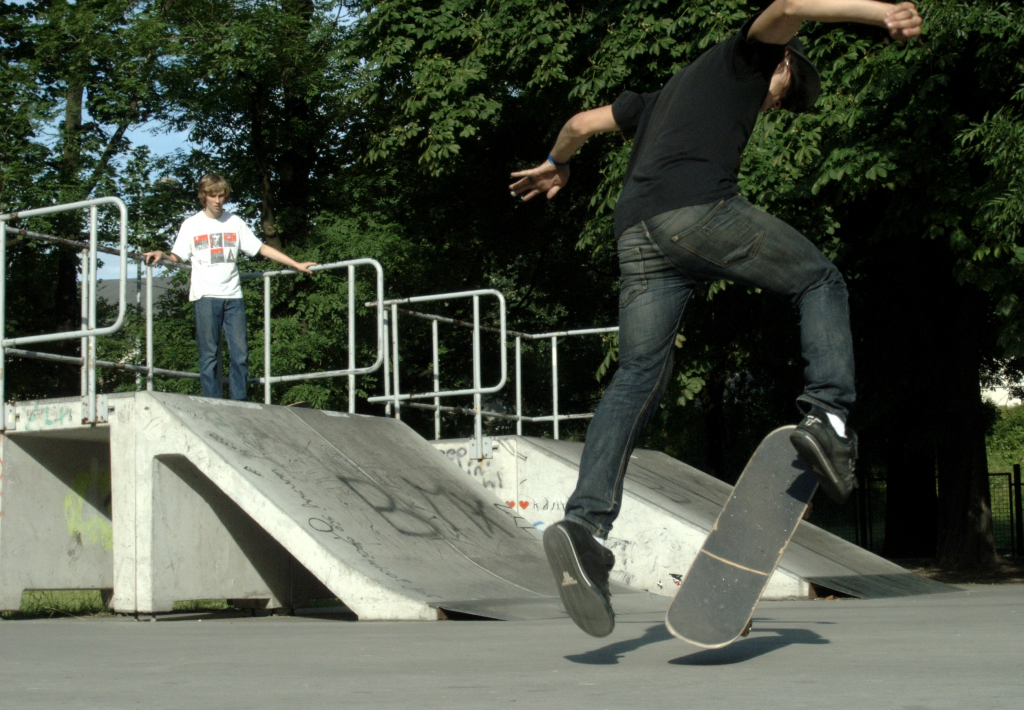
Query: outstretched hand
[[903, 22], [303, 266], [546, 178]]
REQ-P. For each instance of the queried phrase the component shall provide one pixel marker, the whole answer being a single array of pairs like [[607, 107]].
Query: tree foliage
[[387, 129]]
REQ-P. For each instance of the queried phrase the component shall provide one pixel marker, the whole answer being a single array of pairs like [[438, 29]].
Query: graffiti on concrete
[[90, 526], [358, 486], [490, 477], [48, 416]]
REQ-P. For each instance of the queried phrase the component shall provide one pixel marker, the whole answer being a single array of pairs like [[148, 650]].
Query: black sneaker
[[581, 565], [831, 457]]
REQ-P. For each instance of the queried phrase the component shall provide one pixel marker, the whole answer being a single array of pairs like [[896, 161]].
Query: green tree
[[906, 176], [78, 76]]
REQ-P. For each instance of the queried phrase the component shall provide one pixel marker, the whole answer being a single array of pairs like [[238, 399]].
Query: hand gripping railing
[[394, 400], [351, 371], [89, 332]]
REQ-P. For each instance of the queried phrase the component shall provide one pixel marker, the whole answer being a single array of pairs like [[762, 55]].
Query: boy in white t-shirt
[[211, 240]]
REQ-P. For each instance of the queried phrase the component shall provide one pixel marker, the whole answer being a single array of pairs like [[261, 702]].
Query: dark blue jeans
[[661, 261], [212, 315]]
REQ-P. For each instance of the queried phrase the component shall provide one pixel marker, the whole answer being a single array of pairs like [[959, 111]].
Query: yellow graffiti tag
[[97, 529]]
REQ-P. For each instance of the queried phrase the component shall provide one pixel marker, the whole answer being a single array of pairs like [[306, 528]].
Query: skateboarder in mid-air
[[680, 221]]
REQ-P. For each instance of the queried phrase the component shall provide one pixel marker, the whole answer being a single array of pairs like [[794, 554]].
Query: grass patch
[[201, 605], [56, 603], [51, 603]]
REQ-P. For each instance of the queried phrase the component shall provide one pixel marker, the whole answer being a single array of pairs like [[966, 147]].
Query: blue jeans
[[661, 260], [213, 314]]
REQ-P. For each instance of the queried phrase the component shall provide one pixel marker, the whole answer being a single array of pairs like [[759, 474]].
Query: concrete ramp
[[667, 512], [384, 521]]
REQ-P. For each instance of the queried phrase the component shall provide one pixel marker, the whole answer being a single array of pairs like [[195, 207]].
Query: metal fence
[[94, 407], [862, 520], [862, 523], [481, 447], [351, 371], [393, 399], [89, 331]]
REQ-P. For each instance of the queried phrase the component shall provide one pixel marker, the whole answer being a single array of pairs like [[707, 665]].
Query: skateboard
[[716, 599]]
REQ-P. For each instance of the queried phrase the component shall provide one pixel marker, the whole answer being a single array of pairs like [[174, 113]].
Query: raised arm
[[550, 176], [781, 20]]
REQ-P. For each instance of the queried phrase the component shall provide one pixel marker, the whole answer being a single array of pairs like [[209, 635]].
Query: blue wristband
[[556, 163]]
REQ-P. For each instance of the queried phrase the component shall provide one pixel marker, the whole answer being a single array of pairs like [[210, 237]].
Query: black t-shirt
[[690, 136]]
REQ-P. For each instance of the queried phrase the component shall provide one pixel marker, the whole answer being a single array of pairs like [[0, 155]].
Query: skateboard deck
[[717, 597]]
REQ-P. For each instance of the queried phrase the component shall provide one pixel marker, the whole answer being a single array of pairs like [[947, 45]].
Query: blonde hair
[[212, 183]]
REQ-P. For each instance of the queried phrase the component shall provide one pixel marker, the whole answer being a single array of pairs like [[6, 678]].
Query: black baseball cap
[[805, 82]]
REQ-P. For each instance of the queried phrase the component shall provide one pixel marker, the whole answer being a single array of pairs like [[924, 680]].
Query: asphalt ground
[[962, 650]]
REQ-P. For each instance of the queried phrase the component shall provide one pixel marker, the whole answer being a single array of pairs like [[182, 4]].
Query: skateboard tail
[[718, 585], [700, 644]]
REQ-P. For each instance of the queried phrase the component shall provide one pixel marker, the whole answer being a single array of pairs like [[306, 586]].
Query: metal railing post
[[266, 339], [519, 386], [478, 424], [387, 361], [437, 380], [352, 371], [394, 344], [93, 269], [1018, 509], [84, 322], [351, 336], [554, 385], [149, 328], [396, 398], [3, 318], [122, 272]]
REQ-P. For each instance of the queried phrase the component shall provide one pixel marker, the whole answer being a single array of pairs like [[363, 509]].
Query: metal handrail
[[394, 400], [88, 333], [351, 371]]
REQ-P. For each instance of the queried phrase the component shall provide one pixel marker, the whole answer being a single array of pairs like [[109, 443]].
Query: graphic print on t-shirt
[[219, 247], [214, 246]]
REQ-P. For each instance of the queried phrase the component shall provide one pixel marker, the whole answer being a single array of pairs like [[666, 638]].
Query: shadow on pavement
[[749, 648], [610, 654], [742, 650]]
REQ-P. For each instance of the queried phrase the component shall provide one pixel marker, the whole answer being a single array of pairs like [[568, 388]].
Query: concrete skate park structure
[[158, 498], [667, 511], [180, 498]]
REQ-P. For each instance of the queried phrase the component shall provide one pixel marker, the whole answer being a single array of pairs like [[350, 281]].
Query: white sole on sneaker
[[583, 600]]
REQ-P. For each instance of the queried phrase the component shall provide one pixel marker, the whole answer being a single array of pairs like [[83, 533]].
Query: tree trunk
[[964, 509], [68, 293], [910, 504], [268, 221], [711, 397], [297, 160]]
